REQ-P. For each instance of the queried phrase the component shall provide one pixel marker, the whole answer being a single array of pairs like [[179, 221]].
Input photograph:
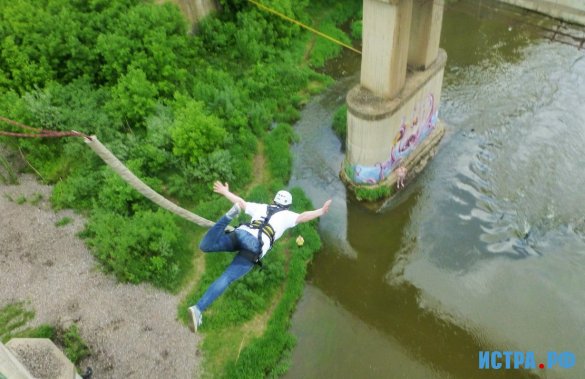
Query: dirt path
[[131, 330]]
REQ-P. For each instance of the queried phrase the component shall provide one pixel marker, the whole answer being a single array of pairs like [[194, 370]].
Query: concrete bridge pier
[[392, 114], [194, 10]]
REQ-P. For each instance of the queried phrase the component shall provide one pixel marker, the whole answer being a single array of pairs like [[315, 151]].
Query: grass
[[372, 193], [20, 200], [8, 177], [64, 221], [72, 344], [36, 198], [14, 319]]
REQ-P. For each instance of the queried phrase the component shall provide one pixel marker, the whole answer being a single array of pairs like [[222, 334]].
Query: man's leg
[[239, 267], [216, 239]]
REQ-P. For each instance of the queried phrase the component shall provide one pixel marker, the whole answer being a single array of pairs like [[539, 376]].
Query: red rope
[[38, 133]]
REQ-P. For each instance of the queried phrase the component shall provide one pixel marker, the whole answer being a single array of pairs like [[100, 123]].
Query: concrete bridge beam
[[425, 33], [386, 29]]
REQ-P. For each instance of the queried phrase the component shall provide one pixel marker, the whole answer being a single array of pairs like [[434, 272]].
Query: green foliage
[[133, 97], [41, 331], [196, 133], [13, 318], [277, 152], [148, 38], [357, 29], [325, 49], [258, 32], [64, 221], [118, 197], [372, 193], [73, 345], [18, 71], [77, 190], [340, 123], [36, 198], [348, 169], [7, 175], [146, 247]]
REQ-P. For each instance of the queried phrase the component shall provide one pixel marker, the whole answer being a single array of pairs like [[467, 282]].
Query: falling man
[[252, 241]]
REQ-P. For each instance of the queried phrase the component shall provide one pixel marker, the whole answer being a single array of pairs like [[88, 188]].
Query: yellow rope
[[268, 9]]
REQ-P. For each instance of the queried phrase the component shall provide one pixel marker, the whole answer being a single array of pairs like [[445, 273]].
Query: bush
[[278, 153], [133, 97], [73, 345], [196, 133], [146, 247], [357, 29]]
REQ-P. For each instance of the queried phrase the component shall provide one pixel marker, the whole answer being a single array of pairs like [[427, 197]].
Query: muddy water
[[485, 251]]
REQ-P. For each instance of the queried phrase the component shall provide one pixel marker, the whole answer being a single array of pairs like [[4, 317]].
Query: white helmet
[[283, 198]]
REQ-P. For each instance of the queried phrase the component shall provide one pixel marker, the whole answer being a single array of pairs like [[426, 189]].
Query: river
[[485, 250]]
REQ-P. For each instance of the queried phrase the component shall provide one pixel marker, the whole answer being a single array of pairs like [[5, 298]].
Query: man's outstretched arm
[[311, 215], [224, 189]]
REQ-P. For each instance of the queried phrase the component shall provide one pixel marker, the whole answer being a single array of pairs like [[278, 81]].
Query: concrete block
[[42, 358], [10, 366]]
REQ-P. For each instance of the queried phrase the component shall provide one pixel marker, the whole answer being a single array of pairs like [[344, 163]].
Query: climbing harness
[[263, 226]]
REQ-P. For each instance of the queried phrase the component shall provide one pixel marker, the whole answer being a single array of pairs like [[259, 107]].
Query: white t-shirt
[[280, 222]]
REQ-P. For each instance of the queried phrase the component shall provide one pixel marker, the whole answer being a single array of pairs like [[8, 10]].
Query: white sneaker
[[234, 211], [196, 318]]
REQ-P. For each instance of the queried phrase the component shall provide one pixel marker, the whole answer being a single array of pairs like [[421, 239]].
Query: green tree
[[195, 133], [145, 247], [133, 97]]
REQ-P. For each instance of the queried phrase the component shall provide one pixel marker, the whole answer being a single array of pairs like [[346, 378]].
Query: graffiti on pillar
[[409, 136]]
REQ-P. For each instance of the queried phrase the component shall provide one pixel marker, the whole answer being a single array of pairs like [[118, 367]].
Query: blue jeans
[[216, 240]]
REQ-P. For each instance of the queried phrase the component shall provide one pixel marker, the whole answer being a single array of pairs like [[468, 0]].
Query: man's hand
[[220, 188], [224, 190], [325, 207], [311, 215]]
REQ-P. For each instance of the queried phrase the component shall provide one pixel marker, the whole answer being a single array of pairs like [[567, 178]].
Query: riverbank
[[131, 330]]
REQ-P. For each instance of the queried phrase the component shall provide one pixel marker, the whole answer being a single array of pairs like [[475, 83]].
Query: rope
[[18, 124], [115, 165], [38, 133], [268, 9], [44, 134], [140, 186]]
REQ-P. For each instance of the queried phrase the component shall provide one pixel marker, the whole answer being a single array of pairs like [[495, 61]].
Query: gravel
[[131, 330]]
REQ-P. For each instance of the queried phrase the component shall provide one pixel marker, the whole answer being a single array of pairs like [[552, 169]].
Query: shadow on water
[[485, 248]]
